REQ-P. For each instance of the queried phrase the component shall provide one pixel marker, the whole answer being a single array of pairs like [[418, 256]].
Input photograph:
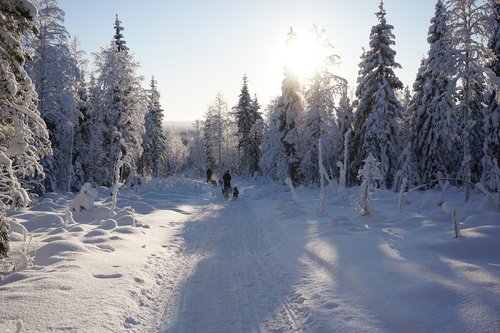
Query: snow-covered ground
[[185, 261]]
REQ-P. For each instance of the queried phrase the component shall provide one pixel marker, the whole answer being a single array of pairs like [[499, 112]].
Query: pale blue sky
[[196, 48]]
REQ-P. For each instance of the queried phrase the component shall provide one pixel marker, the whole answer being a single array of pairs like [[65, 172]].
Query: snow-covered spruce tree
[[273, 162], [378, 110], [491, 146], [469, 28], [55, 74], [404, 98], [407, 162], [319, 122], [219, 137], [431, 109], [256, 133], [120, 100], [154, 140], [246, 114], [344, 112], [24, 138], [82, 147], [344, 116]]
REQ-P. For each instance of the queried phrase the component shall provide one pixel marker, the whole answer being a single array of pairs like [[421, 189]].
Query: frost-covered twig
[[450, 208]]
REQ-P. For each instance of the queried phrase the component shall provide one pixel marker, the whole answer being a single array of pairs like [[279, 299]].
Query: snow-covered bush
[[84, 199], [25, 260], [369, 174]]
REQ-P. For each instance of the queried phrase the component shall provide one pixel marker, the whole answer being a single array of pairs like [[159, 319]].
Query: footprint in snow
[[108, 276]]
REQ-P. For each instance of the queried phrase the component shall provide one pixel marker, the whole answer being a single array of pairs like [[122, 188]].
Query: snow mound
[[57, 250], [96, 233], [476, 243], [108, 224], [482, 219], [126, 220], [43, 221]]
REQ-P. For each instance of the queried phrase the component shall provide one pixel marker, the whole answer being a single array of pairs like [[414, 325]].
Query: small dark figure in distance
[[235, 193], [209, 175], [227, 179]]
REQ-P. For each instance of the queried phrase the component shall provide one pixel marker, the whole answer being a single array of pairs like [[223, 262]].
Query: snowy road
[[175, 258], [233, 284], [265, 264]]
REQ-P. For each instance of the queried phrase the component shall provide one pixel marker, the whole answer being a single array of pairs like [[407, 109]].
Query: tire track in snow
[[234, 285]]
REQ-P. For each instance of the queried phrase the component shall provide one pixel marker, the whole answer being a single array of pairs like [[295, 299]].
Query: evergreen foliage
[[56, 77], [432, 106], [247, 114], [469, 27], [119, 97], [318, 121], [491, 146], [378, 110], [273, 162], [24, 138], [154, 141]]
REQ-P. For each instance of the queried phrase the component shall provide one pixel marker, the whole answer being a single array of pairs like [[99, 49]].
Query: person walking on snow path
[[227, 179]]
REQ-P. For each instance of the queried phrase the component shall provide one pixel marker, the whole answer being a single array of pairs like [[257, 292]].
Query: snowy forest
[[64, 125], [76, 126]]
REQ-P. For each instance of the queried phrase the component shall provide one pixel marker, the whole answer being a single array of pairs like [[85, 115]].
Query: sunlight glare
[[303, 54]]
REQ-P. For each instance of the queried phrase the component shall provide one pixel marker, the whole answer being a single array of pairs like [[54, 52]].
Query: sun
[[303, 55]]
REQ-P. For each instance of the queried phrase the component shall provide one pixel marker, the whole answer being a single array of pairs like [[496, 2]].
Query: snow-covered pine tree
[[256, 133], [491, 146], [82, 147], [55, 74], [344, 116], [245, 119], [469, 28], [290, 111], [319, 121], [432, 105], [24, 139], [154, 141], [118, 41], [120, 100], [378, 110], [273, 162], [404, 97], [407, 162]]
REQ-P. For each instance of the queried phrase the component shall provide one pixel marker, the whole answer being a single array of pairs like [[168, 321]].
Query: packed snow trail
[[234, 286], [176, 258]]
